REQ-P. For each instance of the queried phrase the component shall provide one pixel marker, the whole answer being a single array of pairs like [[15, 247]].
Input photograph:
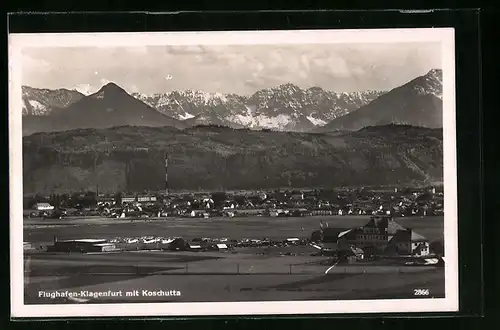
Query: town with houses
[[380, 236], [403, 202]]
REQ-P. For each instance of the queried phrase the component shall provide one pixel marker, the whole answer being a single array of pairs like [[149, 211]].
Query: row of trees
[[74, 200]]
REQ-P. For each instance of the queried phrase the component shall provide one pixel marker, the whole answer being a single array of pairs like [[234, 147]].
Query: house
[[351, 254], [43, 207], [379, 235], [146, 199], [199, 214], [321, 212], [357, 252], [105, 199], [297, 195], [269, 203], [328, 238], [129, 199], [374, 235], [255, 199], [323, 204], [408, 242], [278, 213], [207, 203], [217, 247], [228, 205]]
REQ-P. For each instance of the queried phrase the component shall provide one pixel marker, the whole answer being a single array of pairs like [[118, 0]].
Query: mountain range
[[282, 108], [205, 157], [110, 106], [40, 102], [419, 103]]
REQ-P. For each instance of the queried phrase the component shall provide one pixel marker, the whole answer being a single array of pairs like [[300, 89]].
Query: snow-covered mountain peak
[[430, 83], [42, 101], [85, 89], [283, 107]]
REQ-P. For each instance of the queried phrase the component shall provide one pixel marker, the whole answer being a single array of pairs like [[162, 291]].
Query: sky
[[240, 69]]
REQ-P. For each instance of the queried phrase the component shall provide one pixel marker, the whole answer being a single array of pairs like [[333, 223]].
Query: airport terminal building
[[381, 235]]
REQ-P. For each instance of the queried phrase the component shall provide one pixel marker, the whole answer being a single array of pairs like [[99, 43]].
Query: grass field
[[219, 276], [39, 230]]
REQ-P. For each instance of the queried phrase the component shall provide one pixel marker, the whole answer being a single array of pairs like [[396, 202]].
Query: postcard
[[233, 173]]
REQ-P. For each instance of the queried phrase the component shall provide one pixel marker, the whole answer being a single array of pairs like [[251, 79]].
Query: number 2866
[[421, 292]]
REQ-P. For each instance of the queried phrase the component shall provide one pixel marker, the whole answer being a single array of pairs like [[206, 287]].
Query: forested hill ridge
[[131, 158]]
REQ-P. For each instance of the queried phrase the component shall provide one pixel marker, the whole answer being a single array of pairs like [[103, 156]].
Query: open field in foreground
[[219, 277], [245, 275], [39, 230]]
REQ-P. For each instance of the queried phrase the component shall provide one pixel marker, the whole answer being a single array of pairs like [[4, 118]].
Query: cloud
[[337, 66], [138, 50], [305, 61], [239, 69], [185, 50], [33, 64], [303, 74], [132, 89], [104, 81], [358, 71]]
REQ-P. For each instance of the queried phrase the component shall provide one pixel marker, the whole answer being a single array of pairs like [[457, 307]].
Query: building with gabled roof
[[327, 238], [408, 242], [217, 247], [357, 252], [43, 207], [381, 234]]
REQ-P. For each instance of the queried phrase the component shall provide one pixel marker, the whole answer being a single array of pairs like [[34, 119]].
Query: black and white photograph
[[233, 173]]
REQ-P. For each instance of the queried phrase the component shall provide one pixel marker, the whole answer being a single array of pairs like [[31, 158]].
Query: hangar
[[82, 245]]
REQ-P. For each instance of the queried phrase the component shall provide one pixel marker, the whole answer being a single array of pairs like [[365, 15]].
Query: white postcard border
[[444, 36]]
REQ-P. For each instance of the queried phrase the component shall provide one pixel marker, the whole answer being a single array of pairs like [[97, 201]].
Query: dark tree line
[[73, 200]]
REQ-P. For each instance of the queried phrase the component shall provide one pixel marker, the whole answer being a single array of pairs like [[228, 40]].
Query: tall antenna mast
[[166, 174]]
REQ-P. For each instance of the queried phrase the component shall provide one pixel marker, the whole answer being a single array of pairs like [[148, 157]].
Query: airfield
[[243, 274]]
